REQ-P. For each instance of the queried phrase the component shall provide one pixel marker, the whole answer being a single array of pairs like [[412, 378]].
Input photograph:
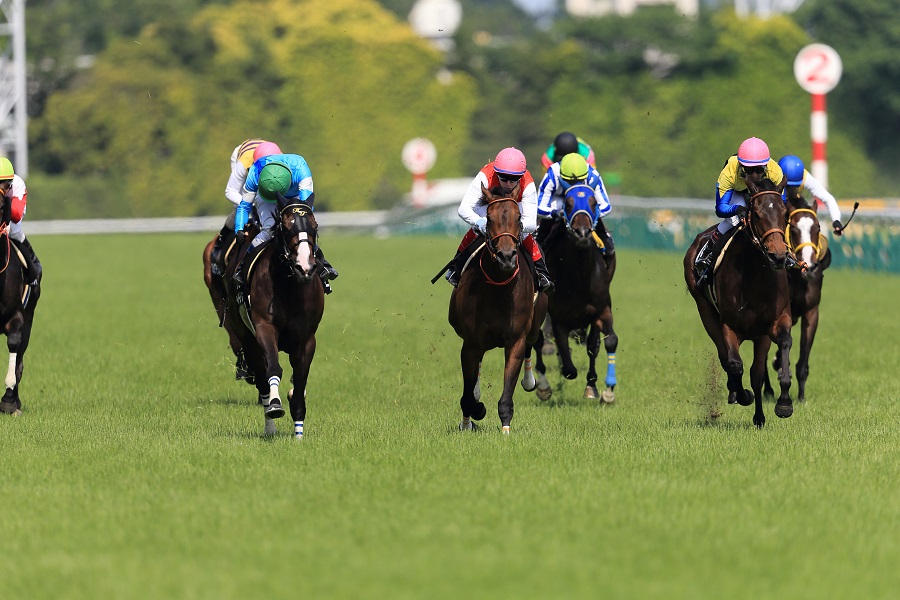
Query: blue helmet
[[792, 167]]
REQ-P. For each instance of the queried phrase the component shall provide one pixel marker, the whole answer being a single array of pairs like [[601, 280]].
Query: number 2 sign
[[818, 68]]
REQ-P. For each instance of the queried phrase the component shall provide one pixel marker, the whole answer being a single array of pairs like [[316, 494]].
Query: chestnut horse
[[286, 302], [806, 240], [582, 298], [749, 298], [17, 303], [496, 305]]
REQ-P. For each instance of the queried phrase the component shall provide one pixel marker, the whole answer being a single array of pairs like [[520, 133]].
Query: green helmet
[[6, 169], [573, 167], [274, 178]]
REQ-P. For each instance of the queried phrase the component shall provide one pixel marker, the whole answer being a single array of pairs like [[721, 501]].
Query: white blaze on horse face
[[304, 252], [804, 225], [11, 373]]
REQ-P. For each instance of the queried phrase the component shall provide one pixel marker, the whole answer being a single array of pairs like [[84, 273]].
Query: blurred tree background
[[135, 110]]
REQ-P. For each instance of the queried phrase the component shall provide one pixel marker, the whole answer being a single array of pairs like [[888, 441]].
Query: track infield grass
[[138, 468]]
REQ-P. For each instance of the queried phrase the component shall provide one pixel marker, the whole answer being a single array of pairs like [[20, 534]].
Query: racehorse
[[286, 301], [581, 298], [805, 239], [749, 299], [219, 295], [496, 305], [17, 303]]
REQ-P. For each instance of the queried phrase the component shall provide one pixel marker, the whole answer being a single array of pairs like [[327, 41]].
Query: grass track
[[138, 471]]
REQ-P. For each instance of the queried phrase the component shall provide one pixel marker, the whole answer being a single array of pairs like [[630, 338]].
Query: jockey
[[753, 162], [242, 158], [285, 174], [506, 171], [13, 187], [798, 177], [567, 143], [571, 170]]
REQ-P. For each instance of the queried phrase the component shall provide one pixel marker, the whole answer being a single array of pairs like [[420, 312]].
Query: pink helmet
[[511, 161], [753, 152], [265, 149]]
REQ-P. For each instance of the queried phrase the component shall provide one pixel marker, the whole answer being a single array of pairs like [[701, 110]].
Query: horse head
[[297, 237], [804, 236], [581, 214], [504, 226], [765, 220]]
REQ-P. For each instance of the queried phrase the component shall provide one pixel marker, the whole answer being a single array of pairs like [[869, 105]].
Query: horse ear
[[486, 194], [751, 185], [281, 201], [782, 185]]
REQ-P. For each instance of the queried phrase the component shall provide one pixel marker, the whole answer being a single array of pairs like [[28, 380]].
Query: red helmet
[[510, 161], [265, 149], [753, 152]]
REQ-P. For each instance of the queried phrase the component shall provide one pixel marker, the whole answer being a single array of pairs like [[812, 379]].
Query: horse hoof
[[505, 430], [548, 349], [529, 386], [784, 411], [745, 398], [10, 408], [759, 422], [570, 374], [479, 411], [591, 392], [470, 426], [544, 392], [608, 397]]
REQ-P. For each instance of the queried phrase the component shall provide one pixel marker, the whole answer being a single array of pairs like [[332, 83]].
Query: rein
[[297, 209], [760, 240], [4, 232]]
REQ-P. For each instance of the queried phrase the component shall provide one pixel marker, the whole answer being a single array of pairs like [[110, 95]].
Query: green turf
[[138, 468]]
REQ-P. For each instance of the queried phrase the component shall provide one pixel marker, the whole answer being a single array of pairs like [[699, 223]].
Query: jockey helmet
[[793, 169], [573, 167], [510, 161], [6, 169], [265, 149], [565, 143], [753, 152], [274, 178]]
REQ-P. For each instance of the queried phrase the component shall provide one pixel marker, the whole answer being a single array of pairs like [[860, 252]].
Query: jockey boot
[[609, 247], [707, 256], [216, 257], [454, 271], [543, 276], [326, 272], [35, 271], [239, 277]]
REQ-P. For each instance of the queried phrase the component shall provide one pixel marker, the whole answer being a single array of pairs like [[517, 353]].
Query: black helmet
[[565, 143]]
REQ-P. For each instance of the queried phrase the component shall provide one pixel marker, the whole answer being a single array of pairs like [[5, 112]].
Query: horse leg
[[730, 359], [610, 342], [593, 349], [300, 363], [767, 390], [10, 403], [472, 408], [784, 408], [515, 356], [567, 367], [268, 342], [547, 346], [543, 391], [808, 326], [759, 372]]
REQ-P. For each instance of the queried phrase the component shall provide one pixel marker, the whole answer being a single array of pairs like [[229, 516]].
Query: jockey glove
[[240, 236], [838, 227], [481, 225]]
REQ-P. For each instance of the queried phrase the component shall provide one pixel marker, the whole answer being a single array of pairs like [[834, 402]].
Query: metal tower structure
[[13, 96]]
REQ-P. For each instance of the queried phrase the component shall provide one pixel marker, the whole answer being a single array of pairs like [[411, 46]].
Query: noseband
[[288, 250]]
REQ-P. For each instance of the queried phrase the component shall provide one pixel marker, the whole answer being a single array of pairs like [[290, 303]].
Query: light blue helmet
[[793, 168]]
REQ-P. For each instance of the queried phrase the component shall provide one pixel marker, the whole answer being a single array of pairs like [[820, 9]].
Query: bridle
[[760, 240], [491, 243], [287, 246], [818, 249]]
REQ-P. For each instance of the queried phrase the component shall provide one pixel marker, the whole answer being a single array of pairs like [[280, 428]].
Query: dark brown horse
[[748, 298], [17, 303], [496, 305], [218, 293], [805, 239], [286, 303], [582, 299]]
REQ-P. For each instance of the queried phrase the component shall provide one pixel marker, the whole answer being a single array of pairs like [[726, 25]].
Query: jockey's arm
[[545, 193], [236, 182], [724, 208], [818, 190], [601, 196], [19, 194], [471, 199], [529, 209]]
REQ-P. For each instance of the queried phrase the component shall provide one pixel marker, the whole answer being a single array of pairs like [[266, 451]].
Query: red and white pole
[[819, 135]]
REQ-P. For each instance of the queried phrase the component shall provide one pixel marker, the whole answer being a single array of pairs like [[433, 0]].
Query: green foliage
[[343, 84]]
